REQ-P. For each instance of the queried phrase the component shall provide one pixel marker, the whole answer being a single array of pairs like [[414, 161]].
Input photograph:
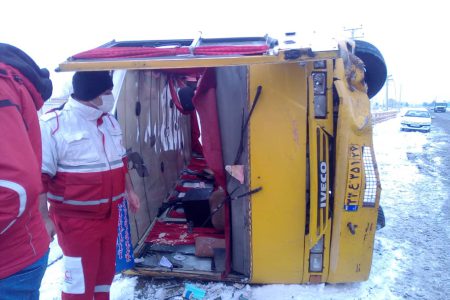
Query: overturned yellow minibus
[[253, 157]]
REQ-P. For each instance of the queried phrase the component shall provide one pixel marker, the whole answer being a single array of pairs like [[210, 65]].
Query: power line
[[354, 30]]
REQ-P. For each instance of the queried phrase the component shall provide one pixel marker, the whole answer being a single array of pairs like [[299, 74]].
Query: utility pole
[[388, 78], [353, 30]]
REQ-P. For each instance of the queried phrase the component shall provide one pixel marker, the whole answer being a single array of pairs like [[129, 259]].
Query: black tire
[[381, 222], [376, 70]]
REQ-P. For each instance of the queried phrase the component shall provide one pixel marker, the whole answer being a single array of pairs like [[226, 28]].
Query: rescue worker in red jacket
[[85, 174], [24, 240]]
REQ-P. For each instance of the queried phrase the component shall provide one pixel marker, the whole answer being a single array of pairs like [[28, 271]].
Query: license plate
[[354, 179]]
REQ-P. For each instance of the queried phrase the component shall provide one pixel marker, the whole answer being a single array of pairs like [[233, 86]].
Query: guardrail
[[378, 117]]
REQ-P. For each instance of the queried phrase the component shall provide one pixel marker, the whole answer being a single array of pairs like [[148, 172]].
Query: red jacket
[[23, 238]]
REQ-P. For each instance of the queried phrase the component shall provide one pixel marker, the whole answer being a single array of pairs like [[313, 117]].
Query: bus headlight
[[316, 257], [319, 82], [315, 262], [320, 98], [320, 106], [318, 247]]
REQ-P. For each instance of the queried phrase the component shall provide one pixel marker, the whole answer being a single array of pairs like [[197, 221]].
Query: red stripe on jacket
[[84, 189]]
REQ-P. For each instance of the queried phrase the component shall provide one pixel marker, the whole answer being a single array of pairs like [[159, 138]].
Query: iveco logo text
[[323, 184]]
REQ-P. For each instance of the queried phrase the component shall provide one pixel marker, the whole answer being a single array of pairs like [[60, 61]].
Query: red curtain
[[206, 105]]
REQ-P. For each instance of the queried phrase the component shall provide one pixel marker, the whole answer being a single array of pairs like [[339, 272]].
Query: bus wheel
[[376, 71], [381, 222]]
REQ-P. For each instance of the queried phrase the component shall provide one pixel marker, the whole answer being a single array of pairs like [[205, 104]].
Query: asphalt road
[[416, 200], [442, 120]]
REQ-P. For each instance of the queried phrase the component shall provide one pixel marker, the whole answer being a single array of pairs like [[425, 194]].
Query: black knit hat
[[18, 59], [89, 85]]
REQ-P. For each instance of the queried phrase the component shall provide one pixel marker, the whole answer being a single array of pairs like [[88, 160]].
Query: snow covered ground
[[411, 254]]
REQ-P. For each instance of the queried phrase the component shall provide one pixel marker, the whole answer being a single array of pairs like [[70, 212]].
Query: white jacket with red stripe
[[83, 161]]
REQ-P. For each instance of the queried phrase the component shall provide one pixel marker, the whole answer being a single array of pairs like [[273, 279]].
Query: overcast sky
[[412, 35]]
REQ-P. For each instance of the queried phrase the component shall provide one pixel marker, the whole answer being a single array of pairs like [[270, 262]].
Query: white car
[[416, 119]]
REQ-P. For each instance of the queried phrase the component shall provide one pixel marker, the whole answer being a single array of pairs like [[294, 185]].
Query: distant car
[[440, 107], [416, 119]]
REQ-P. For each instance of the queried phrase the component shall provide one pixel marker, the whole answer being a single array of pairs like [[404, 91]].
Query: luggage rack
[[191, 53], [197, 42]]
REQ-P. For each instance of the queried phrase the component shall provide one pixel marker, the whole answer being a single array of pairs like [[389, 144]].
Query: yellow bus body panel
[[351, 252], [278, 164], [171, 62]]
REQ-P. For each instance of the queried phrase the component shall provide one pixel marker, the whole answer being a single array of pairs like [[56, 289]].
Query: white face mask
[[107, 103]]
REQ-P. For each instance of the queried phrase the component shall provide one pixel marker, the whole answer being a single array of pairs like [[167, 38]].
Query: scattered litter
[[139, 260], [244, 297], [237, 171], [193, 292], [164, 262], [179, 257]]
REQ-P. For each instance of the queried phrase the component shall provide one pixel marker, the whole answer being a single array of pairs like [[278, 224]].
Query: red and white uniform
[[84, 171], [23, 238]]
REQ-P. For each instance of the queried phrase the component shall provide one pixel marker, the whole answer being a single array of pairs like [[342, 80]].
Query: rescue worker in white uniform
[[85, 177]]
